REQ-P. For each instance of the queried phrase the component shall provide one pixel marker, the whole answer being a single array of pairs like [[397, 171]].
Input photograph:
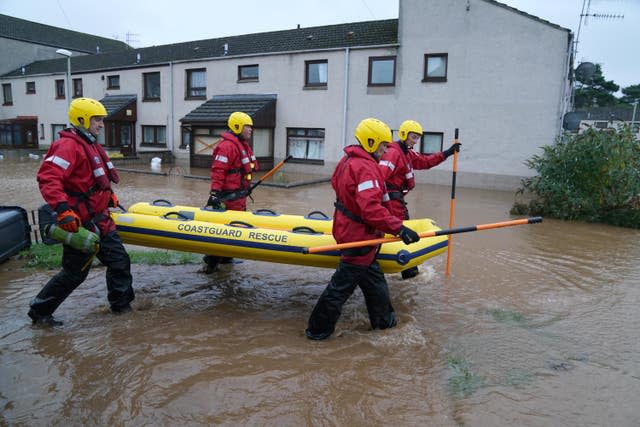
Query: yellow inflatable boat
[[314, 222], [243, 235]]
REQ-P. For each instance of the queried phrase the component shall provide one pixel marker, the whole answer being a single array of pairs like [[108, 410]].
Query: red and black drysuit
[[232, 170], [397, 165], [77, 174], [359, 215]]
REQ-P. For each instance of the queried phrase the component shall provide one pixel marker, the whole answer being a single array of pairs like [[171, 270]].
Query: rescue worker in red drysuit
[[232, 170], [360, 215], [397, 166], [75, 180]]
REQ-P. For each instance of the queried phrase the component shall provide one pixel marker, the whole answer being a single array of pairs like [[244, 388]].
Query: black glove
[[408, 235], [449, 151], [215, 202]]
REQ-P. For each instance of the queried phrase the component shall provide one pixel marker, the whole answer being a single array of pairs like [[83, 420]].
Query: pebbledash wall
[[506, 90]]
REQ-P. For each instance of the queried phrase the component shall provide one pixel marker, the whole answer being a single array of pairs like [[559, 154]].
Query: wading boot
[[46, 321]]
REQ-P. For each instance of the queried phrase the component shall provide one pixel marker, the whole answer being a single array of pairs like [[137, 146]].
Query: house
[[498, 74], [24, 42], [609, 118]]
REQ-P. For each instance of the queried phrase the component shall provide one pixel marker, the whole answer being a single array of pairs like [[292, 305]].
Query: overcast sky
[[611, 42]]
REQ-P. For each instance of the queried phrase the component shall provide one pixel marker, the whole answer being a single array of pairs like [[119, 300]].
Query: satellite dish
[[571, 121], [585, 71]]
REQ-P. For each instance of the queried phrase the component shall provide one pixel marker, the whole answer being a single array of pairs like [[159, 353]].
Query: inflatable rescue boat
[[261, 235]]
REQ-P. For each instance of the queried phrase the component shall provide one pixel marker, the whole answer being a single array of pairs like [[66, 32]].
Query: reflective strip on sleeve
[[386, 197], [253, 158], [409, 175], [58, 161], [109, 165], [98, 172], [245, 160], [366, 185], [388, 164], [222, 158]]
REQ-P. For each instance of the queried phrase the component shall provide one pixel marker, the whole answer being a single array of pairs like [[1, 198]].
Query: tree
[[631, 94], [592, 176], [596, 91]]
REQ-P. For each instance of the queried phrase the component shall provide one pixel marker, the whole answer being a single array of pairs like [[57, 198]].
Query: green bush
[[593, 176]]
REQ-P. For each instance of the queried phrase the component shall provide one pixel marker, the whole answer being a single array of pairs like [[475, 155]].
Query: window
[[55, 129], [60, 89], [196, 84], [306, 144], [431, 142], [382, 71], [435, 67], [31, 88], [41, 130], [248, 73], [77, 88], [204, 140], [315, 74], [113, 82], [6, 92], [151, 86], [186, 138], [601, 125], [154, 135]]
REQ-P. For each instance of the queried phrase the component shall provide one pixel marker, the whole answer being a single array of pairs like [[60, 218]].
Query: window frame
[[7, 94], [110, 82], [373, 59], [306, 73], [30, 88], [248, 79], [77, 84], [437, 79], [146, 98], [54, 133], [60, 90], [307, 137], [155, 142], [422, 140], [189, 89]]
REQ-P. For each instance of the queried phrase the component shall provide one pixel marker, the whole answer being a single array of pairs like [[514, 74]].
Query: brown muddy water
[[538, 325]]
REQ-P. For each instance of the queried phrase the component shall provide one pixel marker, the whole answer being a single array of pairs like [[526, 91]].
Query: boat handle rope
[[321, 215], [265, 212], [178, 214], [161, 202], [240, 224], [305, 229]]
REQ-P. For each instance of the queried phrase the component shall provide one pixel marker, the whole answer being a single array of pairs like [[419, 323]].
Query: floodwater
[[538, 325]]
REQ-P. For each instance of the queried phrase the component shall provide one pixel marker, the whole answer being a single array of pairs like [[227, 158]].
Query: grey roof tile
[[34, 32], [218, 108], [369, 33]]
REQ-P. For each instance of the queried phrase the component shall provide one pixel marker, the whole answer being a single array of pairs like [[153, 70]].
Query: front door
[[126, 139]]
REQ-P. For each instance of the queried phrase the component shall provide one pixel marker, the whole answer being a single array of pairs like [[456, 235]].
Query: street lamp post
[[65, 52]]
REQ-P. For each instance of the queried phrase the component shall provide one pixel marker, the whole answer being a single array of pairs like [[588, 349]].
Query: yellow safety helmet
[[238, 120], [370, 133], [85, 108], [409, 126]]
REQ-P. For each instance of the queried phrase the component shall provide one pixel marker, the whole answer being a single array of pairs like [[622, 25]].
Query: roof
[[116, 103], [261, 107], [34, 32], [544, 21], [355, 34]]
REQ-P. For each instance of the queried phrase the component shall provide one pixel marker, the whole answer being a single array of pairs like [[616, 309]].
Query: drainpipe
[[171, 124], [345, 101]]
